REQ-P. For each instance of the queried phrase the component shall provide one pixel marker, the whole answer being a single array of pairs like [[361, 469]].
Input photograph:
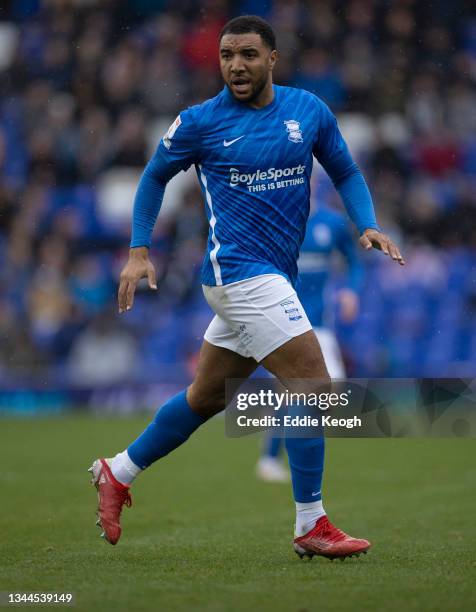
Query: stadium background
[[88, 88]]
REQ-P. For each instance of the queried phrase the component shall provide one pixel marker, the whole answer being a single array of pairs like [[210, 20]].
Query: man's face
[[246, 64]]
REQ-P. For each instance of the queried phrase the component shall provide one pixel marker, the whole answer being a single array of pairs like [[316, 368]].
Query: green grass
[[203, 534]]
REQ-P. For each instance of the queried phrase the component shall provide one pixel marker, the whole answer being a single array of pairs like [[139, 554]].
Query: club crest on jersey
[[294, 130], [171, 131]]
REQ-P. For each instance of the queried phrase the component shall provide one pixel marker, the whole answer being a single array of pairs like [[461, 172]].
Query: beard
[[255, 90]]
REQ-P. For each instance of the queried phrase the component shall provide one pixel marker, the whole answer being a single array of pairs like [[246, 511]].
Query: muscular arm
[[147, 203], [352, 188], [332, 153], [177, 151], [149, 197]]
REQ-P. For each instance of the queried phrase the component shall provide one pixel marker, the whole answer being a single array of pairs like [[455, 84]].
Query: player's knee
[[205, 402], [323, 384], [312, 385]]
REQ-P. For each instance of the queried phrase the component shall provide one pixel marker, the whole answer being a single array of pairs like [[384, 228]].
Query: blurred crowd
[[83, 83]]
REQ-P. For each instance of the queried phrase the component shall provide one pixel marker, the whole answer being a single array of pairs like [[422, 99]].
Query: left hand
[[373, 238], [139, 266]]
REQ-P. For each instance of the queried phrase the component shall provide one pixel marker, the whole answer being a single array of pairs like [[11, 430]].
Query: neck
[[265, 97]]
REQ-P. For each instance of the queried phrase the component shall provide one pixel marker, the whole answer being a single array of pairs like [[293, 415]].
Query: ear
[[273, 56]]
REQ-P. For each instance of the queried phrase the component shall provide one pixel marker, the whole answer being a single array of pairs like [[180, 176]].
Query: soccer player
[[252, 146], [327, 232]]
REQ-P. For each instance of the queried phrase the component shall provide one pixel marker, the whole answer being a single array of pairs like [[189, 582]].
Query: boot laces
[[330, 532]]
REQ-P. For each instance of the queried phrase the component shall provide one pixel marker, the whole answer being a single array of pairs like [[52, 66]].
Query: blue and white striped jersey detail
[[254, 167], [214, 239]]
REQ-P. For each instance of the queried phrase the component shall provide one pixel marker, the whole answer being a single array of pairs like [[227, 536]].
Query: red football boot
[[328, 541], [112, 495]]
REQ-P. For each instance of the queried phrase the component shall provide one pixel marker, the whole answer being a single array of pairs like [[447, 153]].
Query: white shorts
[[255, 316]]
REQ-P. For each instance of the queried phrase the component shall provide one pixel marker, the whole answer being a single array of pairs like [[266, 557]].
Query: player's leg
[[206, 394], [267, 316], [269, 467], [301, 358], [180, 416], [183, 414], [176, 420], [299, 363]]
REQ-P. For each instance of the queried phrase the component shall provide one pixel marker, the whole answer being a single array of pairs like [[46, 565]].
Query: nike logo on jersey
[[227, 143]]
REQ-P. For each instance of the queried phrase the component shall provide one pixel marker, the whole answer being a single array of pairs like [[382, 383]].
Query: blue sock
[[306, 462], [272, 445], [171, 427]]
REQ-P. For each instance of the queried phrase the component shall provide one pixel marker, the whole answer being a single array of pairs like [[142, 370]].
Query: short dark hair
[[251, 23]]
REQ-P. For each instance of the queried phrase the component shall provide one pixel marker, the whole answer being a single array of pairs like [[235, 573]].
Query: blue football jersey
[[254, 168], [327, 232]]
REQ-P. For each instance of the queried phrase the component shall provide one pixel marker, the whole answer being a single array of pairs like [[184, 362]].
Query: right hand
[[139, 266], [373, 238]]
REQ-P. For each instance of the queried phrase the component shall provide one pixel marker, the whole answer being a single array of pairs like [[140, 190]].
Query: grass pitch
[[203, 534]]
